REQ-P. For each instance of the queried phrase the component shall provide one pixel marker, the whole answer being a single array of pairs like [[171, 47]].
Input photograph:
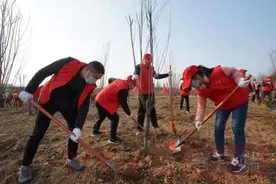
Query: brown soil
[[191, 165]]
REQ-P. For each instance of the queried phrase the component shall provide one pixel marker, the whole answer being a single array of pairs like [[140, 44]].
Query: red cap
[[268, 78], [187, 75], [147, 58], [129, 79], [243, 70]]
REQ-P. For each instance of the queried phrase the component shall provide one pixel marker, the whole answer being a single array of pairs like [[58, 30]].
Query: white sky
[[62, 28], [202, 33]]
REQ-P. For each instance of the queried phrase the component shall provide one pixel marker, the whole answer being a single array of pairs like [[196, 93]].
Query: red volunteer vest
[[267, 88], [65, 74], [145, 80], [185, 93], [108, 96], [220, 87], [37, 92], [15, 95]]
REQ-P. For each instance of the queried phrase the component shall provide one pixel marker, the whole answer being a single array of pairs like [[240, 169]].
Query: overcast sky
[[230, 33]]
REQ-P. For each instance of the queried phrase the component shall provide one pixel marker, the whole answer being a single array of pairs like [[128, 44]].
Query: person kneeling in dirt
[[216, 84], [108, 101], [68, 92]]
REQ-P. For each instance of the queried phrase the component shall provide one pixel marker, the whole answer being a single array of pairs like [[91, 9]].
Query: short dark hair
[[97, 66], [202, 70], [111, 80]]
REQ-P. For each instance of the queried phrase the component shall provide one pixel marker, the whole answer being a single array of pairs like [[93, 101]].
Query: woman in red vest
[[144, 73], [216, 84], [184, 95], [108, 101], [68, 91]]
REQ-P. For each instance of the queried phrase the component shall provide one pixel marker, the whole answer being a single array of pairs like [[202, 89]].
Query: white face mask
[[90, 80]]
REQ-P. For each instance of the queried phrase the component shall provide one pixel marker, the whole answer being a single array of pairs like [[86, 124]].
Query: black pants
[[257, 94], [102, 114], [186, 97], [142, 113], [41, 125]]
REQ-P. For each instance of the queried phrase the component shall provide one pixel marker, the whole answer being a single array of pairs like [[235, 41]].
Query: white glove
[[25, 96], [243, 83], [76, 134], [198, 124], [134, 77]]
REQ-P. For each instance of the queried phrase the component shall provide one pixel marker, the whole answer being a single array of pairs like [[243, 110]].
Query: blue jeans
[[239, 115]]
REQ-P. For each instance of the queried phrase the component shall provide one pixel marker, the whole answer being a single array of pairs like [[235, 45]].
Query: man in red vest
[[184, 95], [108, 101], [216, 84], [267, 88], [68, 91], [144, 74]]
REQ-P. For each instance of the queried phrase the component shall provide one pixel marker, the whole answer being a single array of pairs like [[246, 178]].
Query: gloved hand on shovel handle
[[76, 134], [243, 82], [25, 96], [198, 124]]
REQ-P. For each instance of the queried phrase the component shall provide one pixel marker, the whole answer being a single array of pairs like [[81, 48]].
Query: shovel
[[82, 142], [172, 144], [211, 114]]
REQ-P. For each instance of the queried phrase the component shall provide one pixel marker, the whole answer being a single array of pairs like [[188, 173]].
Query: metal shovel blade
[[172, 146]]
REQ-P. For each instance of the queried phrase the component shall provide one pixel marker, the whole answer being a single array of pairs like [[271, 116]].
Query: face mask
[[195, 84], [90, 80]]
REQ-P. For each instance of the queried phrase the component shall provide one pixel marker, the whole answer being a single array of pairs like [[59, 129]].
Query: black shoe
[[217, 157], [25, 174], [116, 140], [96, 133], [238, 164]]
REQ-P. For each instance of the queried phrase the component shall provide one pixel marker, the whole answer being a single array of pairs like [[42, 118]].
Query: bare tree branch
[[272, 61], [104, 59], [11, 38], [130, 23]]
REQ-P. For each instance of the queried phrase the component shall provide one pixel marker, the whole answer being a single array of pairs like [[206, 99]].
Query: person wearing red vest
[[108, 101], [255, 89], [184, 95], [68, 91], [266, 89], [16, 99], [144, 73], [216, 84], [35, 97]]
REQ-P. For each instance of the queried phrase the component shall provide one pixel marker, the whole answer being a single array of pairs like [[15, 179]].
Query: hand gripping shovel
[[172, 144], [82, 142], [211, 114]]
